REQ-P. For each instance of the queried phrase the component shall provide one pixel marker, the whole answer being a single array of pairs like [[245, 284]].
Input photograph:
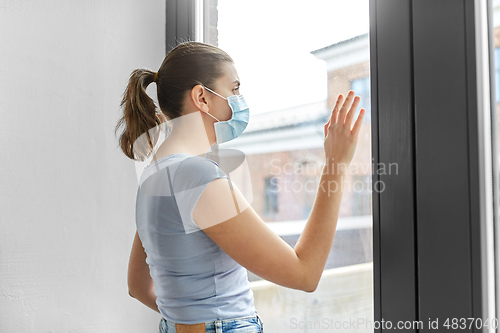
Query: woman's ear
[[199, 97]]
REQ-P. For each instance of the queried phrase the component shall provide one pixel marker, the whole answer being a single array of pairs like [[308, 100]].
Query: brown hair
[[185, 66]]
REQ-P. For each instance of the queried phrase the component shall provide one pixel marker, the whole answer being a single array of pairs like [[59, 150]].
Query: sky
[[271, 40]]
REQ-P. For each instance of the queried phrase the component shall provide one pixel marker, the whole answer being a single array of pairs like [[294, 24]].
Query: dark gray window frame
[[180, 22], [427, 225], [428, 228]]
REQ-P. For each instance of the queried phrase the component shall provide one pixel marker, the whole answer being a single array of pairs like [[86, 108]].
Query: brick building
[[284, 148]]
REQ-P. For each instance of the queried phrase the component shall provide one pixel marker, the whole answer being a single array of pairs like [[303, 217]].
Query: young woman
[[196, 233]]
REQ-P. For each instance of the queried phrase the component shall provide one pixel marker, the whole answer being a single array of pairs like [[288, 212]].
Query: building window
[[270, 196], [362, 88], [309, 182]]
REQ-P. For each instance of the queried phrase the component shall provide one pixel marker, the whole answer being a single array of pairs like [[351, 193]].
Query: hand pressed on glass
[[340, 136]]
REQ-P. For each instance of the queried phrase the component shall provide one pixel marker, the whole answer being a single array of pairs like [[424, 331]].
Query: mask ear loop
[[213, 117], [217, 95]]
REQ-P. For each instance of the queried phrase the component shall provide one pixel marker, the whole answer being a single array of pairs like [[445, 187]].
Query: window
[[270, 196], [497, 73], [292, 68]]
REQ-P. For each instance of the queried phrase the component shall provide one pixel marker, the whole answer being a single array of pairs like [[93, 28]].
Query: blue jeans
[[252, 324]]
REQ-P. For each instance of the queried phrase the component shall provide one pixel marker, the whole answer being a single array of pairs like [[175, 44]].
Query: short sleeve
[[190, 180]]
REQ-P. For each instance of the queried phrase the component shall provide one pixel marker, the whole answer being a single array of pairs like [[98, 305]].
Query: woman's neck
[[190, 135]]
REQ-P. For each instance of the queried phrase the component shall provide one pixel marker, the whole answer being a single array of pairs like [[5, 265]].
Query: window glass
[[497, 73], [293, 59], [362, 88]]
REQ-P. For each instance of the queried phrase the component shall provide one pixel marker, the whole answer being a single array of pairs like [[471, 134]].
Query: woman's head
[[187, 65]]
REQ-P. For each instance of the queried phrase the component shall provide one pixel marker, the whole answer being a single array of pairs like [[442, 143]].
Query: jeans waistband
[[215, 326]]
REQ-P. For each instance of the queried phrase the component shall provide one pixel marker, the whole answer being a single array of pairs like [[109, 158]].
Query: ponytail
[[139, 116], [185, 66]]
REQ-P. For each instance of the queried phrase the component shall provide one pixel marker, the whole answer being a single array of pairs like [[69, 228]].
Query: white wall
[[67, 199]]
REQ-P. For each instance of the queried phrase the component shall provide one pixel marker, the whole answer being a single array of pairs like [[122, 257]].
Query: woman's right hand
[[340, 140]]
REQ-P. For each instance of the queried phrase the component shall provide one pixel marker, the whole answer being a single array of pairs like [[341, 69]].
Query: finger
[[345, 106], [327, 125], [352, 111], [357, 125], [335, 111]]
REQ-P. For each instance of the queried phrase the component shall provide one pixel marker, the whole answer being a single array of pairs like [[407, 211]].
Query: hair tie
[[156, 76]]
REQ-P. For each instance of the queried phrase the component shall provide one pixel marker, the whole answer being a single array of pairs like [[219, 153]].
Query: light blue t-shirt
[[195, 280]]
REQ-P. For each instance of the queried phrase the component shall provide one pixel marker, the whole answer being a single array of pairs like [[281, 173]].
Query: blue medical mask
[[230, 129]]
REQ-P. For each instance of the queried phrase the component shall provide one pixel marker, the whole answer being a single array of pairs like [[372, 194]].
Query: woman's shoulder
[[197, 170], [197, 163]]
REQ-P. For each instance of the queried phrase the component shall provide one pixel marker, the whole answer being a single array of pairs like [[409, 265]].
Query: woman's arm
[[140, 283], [250, 242]]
